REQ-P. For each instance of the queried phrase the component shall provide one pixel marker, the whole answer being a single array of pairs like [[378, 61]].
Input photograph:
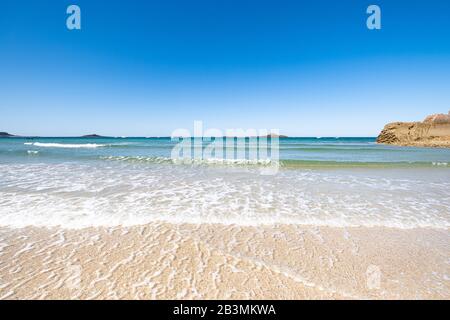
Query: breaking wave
[[190, 161], [64, 145], [269, 162]]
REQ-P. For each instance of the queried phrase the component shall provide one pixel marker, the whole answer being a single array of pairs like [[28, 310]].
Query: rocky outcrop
[[434, 131]]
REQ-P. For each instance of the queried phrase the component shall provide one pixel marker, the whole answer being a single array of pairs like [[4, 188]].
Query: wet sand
[[186, 261]]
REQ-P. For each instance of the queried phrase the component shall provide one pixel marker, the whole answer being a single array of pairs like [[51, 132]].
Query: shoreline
[[189, 261], [434, 144]]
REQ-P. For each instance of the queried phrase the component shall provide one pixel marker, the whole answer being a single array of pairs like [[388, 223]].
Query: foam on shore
[[73, 195]]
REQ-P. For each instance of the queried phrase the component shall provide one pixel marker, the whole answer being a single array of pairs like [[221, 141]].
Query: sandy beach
[[187, 261]]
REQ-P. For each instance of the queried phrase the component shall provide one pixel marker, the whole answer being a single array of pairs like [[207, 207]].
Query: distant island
[[271, 135], [92, 136], [434, 131], [6, 135], [274, 135]]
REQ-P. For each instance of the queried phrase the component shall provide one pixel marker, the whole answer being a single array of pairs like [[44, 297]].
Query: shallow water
[[77, 183], [295, 152]]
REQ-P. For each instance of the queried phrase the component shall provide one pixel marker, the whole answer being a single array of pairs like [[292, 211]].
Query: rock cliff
[[434, 131]]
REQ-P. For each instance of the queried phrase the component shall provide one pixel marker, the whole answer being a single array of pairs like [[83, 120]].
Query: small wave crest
[[190, 161], [64, 145], [440, 164], [294, 164]]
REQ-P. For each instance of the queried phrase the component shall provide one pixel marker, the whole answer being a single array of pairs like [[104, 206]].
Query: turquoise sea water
[[340, 182], [292, 151]]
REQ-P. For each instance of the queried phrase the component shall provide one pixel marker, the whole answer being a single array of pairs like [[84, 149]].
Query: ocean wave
[[440, 164], [359, 164], [64, 145], [32, 152], [190, 161], [285, 163]]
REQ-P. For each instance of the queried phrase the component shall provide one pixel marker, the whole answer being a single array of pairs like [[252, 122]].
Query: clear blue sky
[[143, 68]]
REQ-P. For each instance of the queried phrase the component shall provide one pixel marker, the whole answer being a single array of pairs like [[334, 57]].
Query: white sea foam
[[82, 195], [440, 164], [212, 161], [32, 152], [64, 145]]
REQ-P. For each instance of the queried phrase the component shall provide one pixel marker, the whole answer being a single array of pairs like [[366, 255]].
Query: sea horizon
[[89, 136]]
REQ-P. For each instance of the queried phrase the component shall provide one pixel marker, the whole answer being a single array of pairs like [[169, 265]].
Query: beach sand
[[185, 261]]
